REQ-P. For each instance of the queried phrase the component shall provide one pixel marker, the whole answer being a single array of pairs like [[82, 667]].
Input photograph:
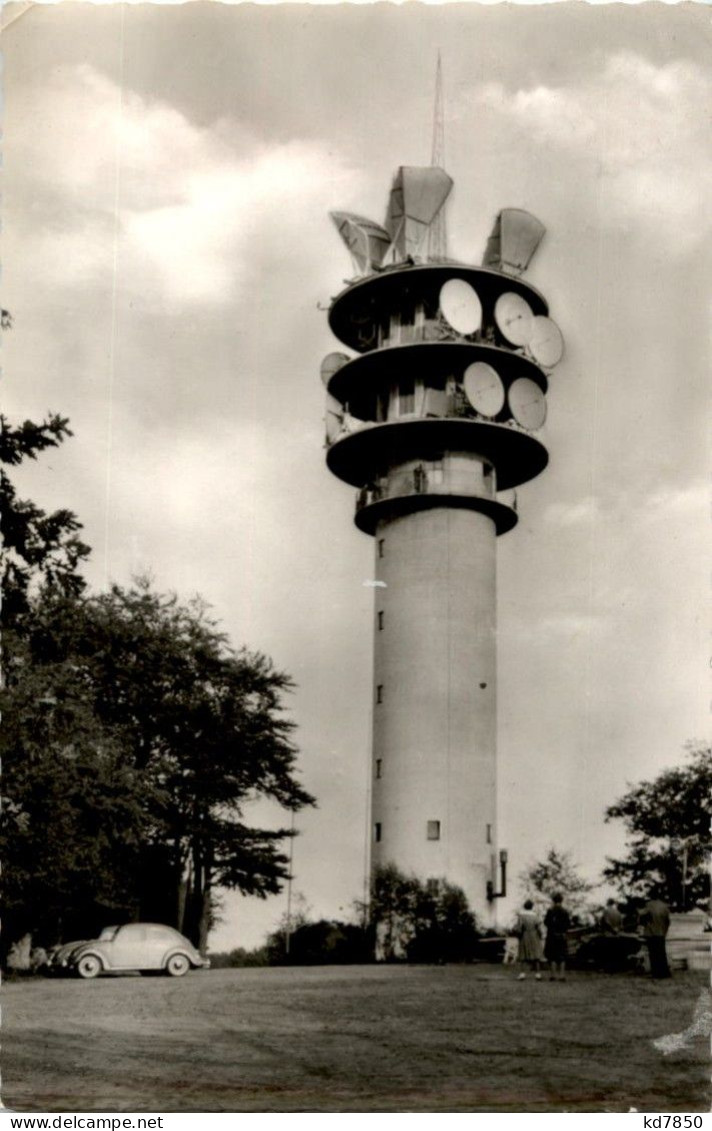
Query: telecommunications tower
[[432, 414]]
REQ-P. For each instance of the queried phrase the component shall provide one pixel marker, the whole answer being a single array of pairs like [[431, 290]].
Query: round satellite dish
[[334, 418], [514, 317], [460, 306], [483, 388], [546, 344], [527, 403], [331, 364]]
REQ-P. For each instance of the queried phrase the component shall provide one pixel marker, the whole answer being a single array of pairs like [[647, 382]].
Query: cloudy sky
[[167, 257]]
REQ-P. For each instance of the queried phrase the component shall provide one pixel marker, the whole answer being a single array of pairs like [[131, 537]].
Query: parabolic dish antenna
[[527, 403], [460, 306], [483, 388], [334, 418], [546, 344], [331, 364], [514, 317]]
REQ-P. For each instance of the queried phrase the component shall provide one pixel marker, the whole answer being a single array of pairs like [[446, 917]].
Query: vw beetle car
[[135, 946]]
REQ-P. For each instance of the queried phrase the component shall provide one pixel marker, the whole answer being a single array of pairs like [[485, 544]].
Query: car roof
[[163, 926]]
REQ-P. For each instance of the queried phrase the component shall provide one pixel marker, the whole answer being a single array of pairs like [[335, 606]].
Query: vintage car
[[142, 947]]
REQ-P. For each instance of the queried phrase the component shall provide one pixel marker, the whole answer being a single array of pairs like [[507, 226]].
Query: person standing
[[611, 920], [557, 922], [528, 931], [655, 921]]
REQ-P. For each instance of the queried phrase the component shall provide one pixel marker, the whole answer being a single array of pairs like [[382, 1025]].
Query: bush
[[420, 921], [239, 957], [322, 943]]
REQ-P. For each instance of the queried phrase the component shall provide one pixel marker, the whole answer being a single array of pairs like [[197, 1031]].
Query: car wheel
[[89, 966], [177, 965]]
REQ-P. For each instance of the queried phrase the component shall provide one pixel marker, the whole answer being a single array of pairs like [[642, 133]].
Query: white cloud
[[184, 211], [582, 512], [639, 129], [670, 504]]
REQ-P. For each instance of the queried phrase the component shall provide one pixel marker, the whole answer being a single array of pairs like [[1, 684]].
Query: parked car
[[141, 947]]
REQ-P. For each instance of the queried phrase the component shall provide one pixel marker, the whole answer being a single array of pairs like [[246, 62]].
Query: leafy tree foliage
[[668, 825], [420, 921], [39, 549], [206, 726], [72, 807], [557, 873]]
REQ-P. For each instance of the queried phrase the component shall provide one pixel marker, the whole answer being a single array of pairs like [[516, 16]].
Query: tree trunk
[[193, 907], [182, 888], [205, 918]]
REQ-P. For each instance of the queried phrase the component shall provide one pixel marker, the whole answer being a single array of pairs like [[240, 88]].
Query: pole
[[288, 928], [437, 233]]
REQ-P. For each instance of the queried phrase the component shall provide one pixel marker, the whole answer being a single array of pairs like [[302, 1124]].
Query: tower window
[[433, 830], [380, 619], [406, 396], [379, 693], [407, 319], [437, 472], [489, 834], [377, 832], [381, 547], [379, 767]]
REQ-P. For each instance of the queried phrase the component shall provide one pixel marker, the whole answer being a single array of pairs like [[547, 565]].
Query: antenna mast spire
[[437, 234]]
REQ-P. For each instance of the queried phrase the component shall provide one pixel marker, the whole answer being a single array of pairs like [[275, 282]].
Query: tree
[[557, 873], [668, 825], [203, 726], [39, 549], [421, 921]]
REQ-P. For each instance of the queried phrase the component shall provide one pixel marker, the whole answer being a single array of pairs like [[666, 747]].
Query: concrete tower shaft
[[434, 728]]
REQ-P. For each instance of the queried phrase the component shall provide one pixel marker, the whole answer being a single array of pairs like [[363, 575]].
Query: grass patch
[[450, 1039]]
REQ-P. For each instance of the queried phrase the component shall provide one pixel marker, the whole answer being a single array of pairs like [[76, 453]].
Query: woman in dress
[[557, 923], [528, 932]]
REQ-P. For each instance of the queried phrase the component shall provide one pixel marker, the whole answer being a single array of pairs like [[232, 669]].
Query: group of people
[[533, 948], [652, 918], [547, 942]]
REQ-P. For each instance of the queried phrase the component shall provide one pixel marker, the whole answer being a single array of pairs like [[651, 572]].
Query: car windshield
[[107, 934]]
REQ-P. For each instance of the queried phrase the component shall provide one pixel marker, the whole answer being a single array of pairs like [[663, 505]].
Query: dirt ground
[[359, 1039]]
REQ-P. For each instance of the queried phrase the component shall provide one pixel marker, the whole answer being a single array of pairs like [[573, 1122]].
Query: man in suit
[[655, 921]]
